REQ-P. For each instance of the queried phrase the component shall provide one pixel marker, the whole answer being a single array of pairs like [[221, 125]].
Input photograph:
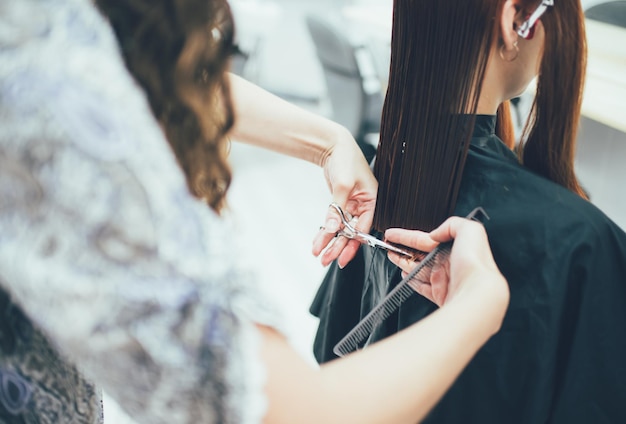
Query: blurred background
[[332, 57]]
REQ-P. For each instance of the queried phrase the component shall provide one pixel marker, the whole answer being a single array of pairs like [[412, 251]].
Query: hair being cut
[[178, 50], [439, 55]]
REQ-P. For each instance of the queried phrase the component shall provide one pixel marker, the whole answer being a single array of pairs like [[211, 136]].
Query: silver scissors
[[350, 232]]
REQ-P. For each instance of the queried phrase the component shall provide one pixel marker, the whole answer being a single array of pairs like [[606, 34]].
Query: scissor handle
[[345, 221], [370, 240]]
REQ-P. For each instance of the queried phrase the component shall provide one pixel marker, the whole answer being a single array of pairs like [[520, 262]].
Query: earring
[[509, 55]]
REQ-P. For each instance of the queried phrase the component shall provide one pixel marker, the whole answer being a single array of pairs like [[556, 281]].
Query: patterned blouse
[[110, 272]]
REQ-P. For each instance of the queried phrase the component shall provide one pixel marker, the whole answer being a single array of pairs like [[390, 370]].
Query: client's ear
[[508, 24]]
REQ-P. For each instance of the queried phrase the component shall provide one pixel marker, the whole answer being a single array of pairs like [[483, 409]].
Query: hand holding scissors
[[351, 232]]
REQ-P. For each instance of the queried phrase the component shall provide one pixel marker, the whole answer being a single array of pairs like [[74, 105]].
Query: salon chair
[[352, 84]]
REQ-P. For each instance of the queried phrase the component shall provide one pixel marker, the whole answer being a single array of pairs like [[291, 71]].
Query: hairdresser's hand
[[354, 189], [470, 271]]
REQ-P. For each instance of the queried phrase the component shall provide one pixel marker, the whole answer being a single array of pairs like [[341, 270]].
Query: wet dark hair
[[178, 51], [439, 54]]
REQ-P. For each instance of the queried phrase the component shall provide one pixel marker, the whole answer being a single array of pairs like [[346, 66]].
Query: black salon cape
[[560, 356]]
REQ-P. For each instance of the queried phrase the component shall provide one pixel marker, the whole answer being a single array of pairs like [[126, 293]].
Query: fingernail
[[332, 226]]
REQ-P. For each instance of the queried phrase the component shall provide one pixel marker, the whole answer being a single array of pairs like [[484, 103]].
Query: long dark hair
[[439, 55], [177, 50], [548, 144]]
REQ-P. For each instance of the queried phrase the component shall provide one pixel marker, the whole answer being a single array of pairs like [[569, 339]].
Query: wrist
[[336, 137]]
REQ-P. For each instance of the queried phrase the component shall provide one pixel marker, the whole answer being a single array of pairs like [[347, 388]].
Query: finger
[[341, 197], [365, 219], [411, 238], [334, 250], [470, 239], [439, 281], [423, 289], [415, 282], [453, 226], [348, 253], [362, 218], [321, 241], [404, 263], [332, 222], [328, 231]]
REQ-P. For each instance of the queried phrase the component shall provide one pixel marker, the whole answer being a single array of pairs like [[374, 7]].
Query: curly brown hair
[[178, 50]]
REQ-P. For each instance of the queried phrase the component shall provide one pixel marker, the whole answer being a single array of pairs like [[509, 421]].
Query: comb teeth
[[391, 302], [400, 293]]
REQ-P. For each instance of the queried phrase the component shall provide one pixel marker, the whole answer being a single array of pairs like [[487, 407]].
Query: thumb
[[333, 220]]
